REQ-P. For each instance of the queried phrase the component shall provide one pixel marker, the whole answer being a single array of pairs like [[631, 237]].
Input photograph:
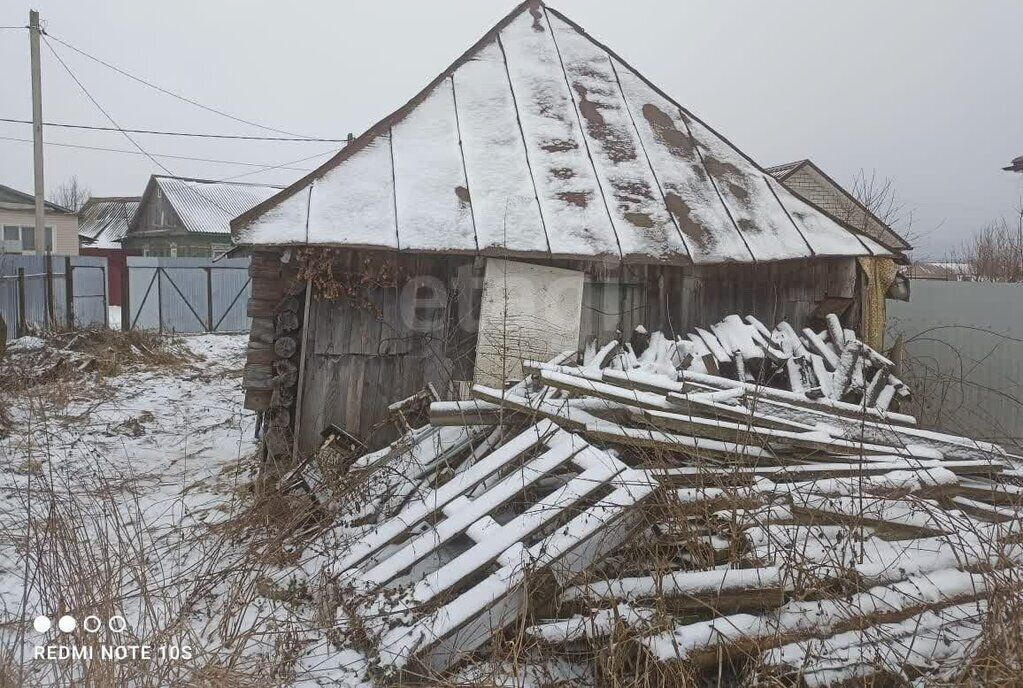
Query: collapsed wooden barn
[[541, 154]]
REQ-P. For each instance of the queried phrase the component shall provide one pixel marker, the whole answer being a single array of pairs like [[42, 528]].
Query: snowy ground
[[115, 483]]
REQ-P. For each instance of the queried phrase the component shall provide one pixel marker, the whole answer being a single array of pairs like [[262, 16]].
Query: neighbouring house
[[190, 217], [17, 217], [948, 272], [102, 224], [1015, 166], [538, 194], [809, 181], [812, 183]]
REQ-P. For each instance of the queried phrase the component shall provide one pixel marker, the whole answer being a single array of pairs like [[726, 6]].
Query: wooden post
[[37, 130], [69, 292], [209, 299], [21, 327], [125, 297], [303, 354]]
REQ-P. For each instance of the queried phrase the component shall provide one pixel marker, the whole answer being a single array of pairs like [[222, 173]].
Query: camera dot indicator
[[67, 623], [41, 624]]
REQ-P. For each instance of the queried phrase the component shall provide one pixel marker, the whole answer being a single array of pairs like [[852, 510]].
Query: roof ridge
[[215, 181], [395, 116]]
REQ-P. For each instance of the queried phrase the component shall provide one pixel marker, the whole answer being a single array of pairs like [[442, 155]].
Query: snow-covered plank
[[825, 236], [463, 511], [432, 196], [919, 643], [696, 584], [501, 189], [598, 624], [799, 618], [710, 235], [469, 620], [739, 475], [694, 446], [644, 227], [767, 228], [353, 203], [416, 511], [573, 206]]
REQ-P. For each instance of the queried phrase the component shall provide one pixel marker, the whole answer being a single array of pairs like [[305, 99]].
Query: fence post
[[159, 300], [209, 299], [69, 292], [21, 326], [125, 297], [51, 304], [106, 298]]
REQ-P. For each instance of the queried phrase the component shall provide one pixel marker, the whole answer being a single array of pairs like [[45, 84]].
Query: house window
[[217, 250], [173, 250], [22, 239]]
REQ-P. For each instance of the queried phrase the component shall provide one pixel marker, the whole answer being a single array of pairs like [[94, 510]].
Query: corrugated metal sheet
[[103, 222], [965, 356], [209, 207], [541, 142], [89, 291], [174, 294]]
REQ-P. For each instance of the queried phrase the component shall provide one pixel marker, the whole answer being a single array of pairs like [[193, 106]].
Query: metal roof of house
[[207, 207], [12, 199], [541, 142], [103, 222], [874, 227]]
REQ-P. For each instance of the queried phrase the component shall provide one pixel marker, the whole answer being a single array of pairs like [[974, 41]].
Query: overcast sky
[[927, 92]]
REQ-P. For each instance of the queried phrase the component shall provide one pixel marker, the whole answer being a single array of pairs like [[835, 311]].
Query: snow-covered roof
[[103, 222], [541, 142], [207, 207]]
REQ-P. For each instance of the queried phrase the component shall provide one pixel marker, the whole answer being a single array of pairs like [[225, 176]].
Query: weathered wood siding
[[359, 359]]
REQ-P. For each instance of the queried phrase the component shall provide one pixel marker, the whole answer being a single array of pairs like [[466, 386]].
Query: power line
[[283, 165], [172, 133], [261, 166], [126, 134], [176, 95], [154, 160]]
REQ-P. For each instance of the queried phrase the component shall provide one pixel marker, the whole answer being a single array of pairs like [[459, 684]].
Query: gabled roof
[[103, 222], [207, 207], [12, 199], [873, 226], [541, 142], [1015, 166]]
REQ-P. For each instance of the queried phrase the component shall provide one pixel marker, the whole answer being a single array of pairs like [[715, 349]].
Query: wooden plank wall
[[366, 353], [361, 359]]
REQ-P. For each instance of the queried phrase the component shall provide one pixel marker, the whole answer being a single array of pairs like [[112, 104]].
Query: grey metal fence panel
[[964, 345], [187, 295], [143, 294], [89, 285], [45, 291], [231, 289]]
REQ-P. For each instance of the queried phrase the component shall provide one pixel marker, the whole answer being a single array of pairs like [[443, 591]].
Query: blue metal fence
[[187, 295], [964, 346], [35, 292]]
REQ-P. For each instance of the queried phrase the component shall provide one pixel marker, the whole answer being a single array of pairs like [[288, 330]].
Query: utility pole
[[37, 131]]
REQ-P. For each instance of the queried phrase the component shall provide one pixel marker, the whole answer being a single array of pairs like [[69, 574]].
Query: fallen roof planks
[[589, 454]]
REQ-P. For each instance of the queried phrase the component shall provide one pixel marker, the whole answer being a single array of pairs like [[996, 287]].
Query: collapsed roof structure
[[664, 509]]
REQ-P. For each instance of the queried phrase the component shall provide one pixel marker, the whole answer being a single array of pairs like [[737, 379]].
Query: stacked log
[[271, 370]]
